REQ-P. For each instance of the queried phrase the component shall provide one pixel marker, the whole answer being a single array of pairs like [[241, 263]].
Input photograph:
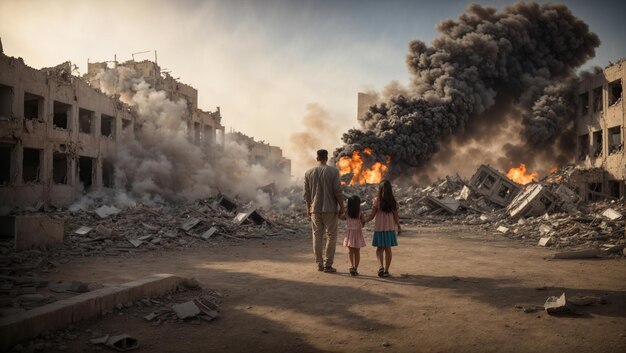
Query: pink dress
[[354, 234]]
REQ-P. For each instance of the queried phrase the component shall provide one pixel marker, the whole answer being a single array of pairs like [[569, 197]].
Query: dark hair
[[322, 155], [354, 206], [386, 201]]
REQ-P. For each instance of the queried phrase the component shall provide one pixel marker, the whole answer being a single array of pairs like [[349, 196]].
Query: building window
[[583, 142], [208, 135], [614, 189], [59, 168], [615, 92], [597, 100], [6, 103], [62, 113], [107, 125], [33, 106], [196, 133], [597, 143], [85, 120], [5, 164], [85, 171], [615, 139], [107, 174], [584, 103], [31, 165]]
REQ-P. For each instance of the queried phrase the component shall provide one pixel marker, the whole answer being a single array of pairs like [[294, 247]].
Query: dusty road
[[451, 291]]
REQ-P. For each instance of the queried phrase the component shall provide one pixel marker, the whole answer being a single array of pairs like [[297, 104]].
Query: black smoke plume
[[520, 60]]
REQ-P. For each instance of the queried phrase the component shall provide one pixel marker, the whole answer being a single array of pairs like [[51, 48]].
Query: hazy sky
[[261, 61]]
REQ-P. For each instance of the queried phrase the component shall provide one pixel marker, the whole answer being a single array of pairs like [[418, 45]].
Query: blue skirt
[[387, 238]]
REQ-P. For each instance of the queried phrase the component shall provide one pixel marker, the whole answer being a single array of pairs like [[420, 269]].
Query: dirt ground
[[453, 289]]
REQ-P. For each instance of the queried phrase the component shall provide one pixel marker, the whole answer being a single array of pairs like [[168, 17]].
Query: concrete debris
[[536, 200], [27, 231], [558, 305], [186, 310], [106, 211], [612, 214], [252, 215], [83, 230], [189, 224], [494, 185], [502, 229], [206, 235], [585, 300], [545, 241], [447, 204]]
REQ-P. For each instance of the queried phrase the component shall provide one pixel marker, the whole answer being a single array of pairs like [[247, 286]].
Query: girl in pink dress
[[354, 240], [386, 226]]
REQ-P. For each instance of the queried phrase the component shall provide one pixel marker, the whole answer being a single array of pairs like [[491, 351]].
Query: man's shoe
[[320, 268], [329, 269]]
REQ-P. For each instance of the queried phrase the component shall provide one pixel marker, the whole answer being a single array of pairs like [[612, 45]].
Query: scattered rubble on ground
[[548, 213], [155, 311]]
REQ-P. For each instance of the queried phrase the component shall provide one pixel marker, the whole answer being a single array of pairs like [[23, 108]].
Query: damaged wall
[[600, 130], [40, 110]]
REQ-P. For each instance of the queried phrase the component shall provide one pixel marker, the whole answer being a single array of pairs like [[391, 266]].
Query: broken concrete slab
[[536, 200], [150, 227], [578, 254], [136, 242], [252, 215], [502, 229], [186, 310], [206, 235], [58, 315], [445, 203], [83, 230], [558, 305], [612, 214], [189, 224], [106, 211], [545, 241]]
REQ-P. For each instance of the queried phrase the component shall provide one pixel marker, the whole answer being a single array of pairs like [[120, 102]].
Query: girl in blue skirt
[[386, 226]]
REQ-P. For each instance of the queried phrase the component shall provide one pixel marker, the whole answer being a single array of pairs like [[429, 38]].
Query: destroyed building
[[57, 134], [204, 127], [264, 154], [600, 130]]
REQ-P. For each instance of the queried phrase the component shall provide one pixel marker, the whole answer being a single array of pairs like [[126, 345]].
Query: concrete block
[[33, 231], [56, 316]]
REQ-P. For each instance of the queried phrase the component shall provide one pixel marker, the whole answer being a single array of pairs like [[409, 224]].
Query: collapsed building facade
[[204, 127], [264, 154], [58, 134], [600, 130]]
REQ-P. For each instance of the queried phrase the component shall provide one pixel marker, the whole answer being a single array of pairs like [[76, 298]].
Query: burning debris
[[486, 59]]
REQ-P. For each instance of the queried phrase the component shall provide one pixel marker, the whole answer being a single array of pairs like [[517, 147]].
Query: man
[[322, 194]]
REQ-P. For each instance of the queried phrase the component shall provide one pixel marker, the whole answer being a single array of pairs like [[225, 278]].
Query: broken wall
[[600, 129], [34, 95]]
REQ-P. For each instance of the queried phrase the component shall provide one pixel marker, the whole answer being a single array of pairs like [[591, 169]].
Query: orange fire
[[521, 176], [354, 165], [553, 169]]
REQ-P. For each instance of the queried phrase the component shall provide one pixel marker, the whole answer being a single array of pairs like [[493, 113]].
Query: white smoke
[[158, 162]]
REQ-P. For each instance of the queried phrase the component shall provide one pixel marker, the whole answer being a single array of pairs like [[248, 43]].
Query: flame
[[553, 169], [521, 176], [354, 165]]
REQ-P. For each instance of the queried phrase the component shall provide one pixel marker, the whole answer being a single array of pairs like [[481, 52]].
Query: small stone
[[386, 344]]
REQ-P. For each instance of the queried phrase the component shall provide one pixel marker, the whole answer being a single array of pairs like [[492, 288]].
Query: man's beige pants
[[324, 223]]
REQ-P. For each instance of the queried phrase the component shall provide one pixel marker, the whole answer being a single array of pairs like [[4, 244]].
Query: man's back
[[321, 188]]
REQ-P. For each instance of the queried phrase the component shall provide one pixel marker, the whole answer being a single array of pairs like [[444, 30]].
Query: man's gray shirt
[[322, 188]]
